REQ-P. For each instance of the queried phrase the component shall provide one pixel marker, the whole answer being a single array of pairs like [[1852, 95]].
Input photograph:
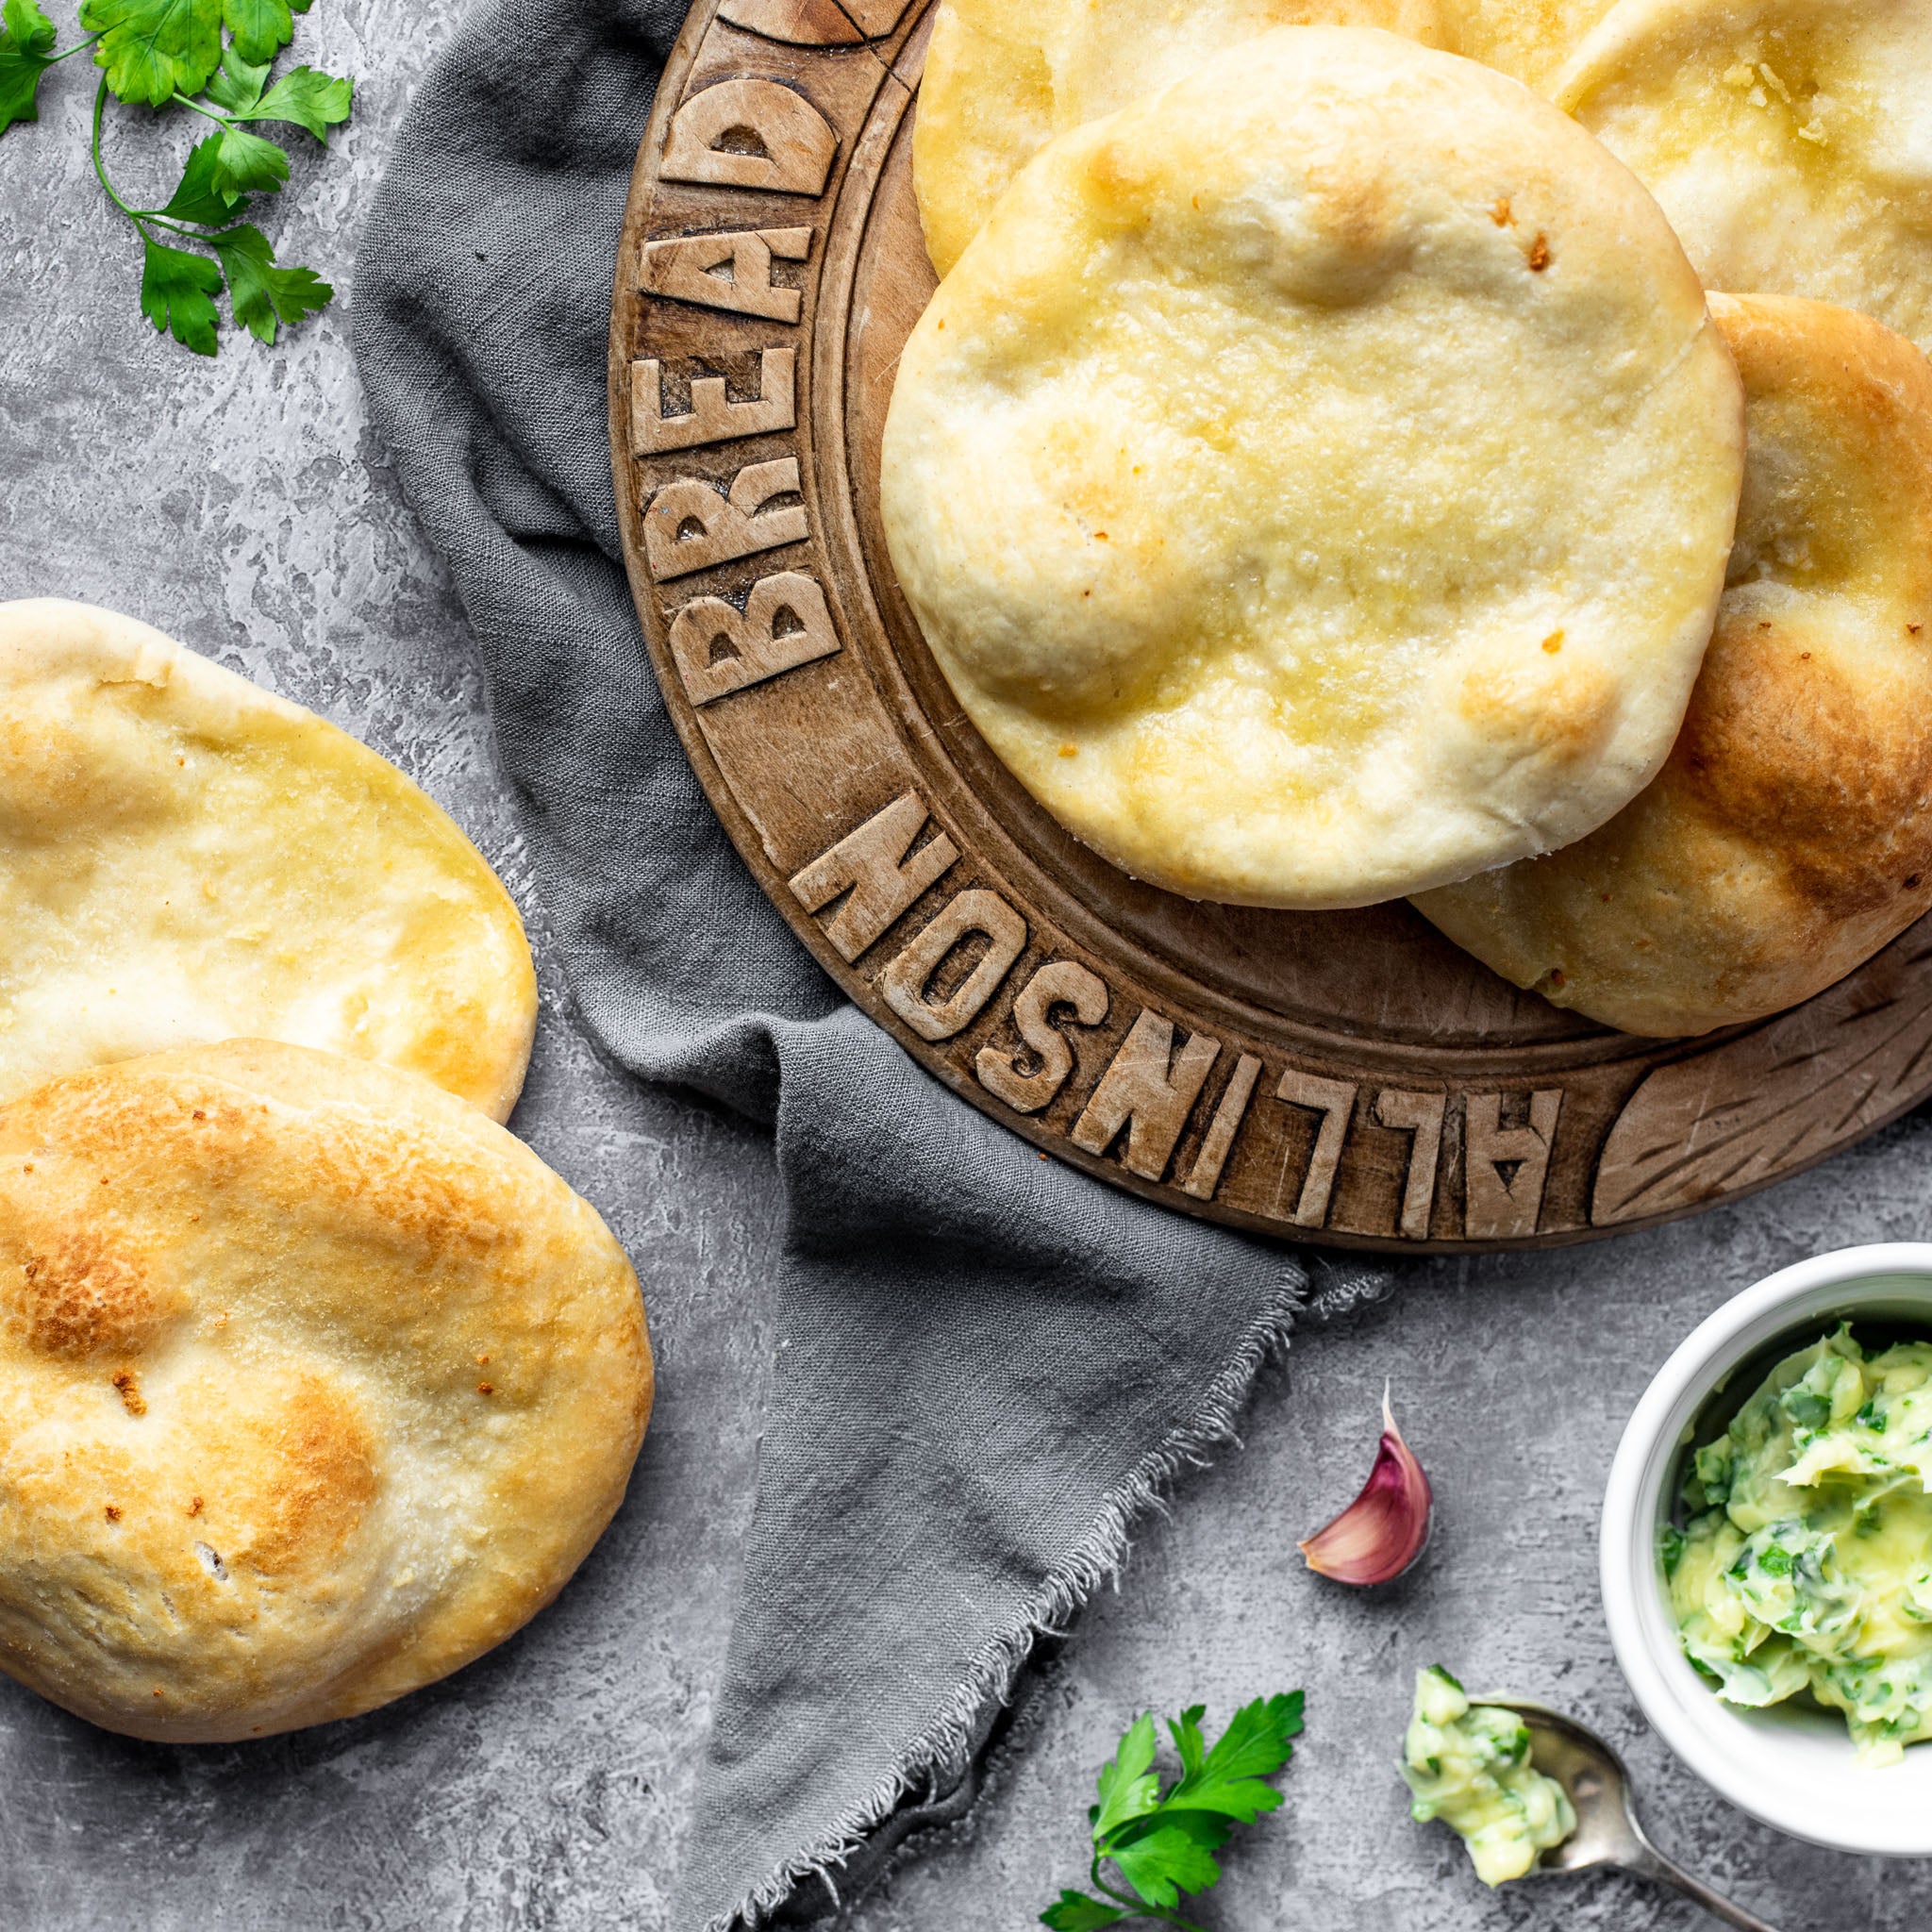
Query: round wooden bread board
[[1351, 1078]]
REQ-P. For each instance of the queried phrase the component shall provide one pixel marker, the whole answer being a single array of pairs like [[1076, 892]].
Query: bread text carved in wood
[[1061, 983], [690, 526], [730, 271], [906, 981], [713, 418], [1422, 1115], [751, 133], [1144, 1093], [1222, 1129], [1334, 1100], [785, 624], [871, 864], [1505, 1168]]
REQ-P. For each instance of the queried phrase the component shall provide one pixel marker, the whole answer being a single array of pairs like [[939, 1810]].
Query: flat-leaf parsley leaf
[[152, 50], [1163, 1843], [261, 27], [200, 198], [304, 97], [1074, 1911], [175, 292], [308, 99], [244, 163], [27, 51], [237, 84], [169, 54], [261, 293]]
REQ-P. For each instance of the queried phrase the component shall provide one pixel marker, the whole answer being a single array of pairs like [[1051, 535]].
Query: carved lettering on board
[[1505, 1168], [871, 866], [1143, 1093], [729, 245], [688, 526], [1222, 1129], [785, 624], [1334, 1100], [1421, 1115], [730, 271], [1061, 983], [751, 133], [907, 980], [713, 417]]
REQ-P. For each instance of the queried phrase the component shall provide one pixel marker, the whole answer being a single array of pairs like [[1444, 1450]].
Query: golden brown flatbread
[[1316, 479], [1789, 141], [185, 857], [1528, 40], [1789, 835], [1002, 77], [314, 1384]]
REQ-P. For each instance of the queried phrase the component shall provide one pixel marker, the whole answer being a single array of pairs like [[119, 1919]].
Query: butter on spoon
[[1607, 1833], [1468, 1764]]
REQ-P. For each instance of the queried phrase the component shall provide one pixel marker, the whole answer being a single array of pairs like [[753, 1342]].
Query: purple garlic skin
[[1383, 1531]]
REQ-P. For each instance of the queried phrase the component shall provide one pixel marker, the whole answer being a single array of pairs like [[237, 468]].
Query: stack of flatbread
[[314, 1381], [1328, 472]]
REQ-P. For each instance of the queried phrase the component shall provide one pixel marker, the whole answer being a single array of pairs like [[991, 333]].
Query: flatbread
[[185, 857], [1790, 836], [1529, 40], [1789, 141], [1002, 77], [314, 1384], [1316, 479]]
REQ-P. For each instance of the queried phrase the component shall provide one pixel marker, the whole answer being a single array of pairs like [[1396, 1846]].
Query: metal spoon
[[1606, 1831]]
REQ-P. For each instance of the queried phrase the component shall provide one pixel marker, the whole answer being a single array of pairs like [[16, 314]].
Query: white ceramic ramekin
[[1795, 1769]]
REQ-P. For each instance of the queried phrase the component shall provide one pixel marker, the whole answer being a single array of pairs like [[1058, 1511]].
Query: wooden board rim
[[1690, 1130]]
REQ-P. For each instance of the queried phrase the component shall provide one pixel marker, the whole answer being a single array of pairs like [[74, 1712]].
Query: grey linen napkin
[[988, 1363]]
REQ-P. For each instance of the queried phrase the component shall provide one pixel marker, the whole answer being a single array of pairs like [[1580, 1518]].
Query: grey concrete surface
[[242, 507]]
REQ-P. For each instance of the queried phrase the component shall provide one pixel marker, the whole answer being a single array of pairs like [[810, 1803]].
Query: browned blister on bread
[[314, 1384], [1789, 834]]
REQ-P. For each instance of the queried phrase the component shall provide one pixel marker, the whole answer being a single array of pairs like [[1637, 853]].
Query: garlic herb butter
[[1469, 1765], [1806, 1565]]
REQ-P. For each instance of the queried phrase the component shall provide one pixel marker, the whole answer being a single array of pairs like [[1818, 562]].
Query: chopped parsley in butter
[[1807, 1565], [1469, 1765]]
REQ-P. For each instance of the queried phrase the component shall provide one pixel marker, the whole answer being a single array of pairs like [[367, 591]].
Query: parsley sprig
[[213, 59], [1162, 1843]]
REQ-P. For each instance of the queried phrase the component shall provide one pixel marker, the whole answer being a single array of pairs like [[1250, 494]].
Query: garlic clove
[[1383, 1531]]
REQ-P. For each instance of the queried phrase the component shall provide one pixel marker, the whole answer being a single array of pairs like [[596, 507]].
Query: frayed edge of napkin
[[944, 1752]]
